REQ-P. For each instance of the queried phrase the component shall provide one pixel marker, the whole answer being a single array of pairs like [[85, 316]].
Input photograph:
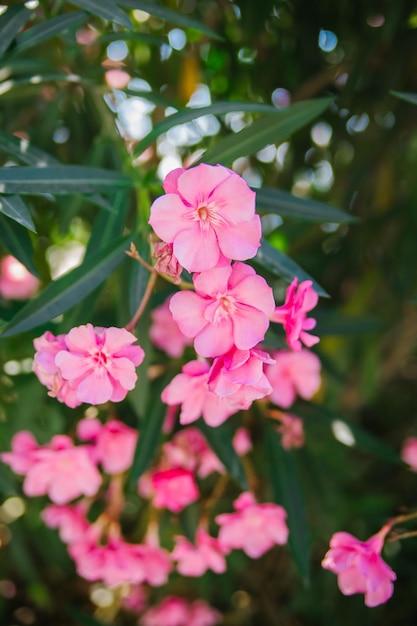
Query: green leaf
[[285, 204], [278, 263], [16, 239], [63, 293], [23, 150], [81, 618], [105, 9], [288, 493], [265, 130], [107, 227], [220, 440], [14, 207], [155, 9], [407, 97], [10, 23], [46, 30], [191, 114], [150, 432], [60, 179], [334, 323], [129, 36]]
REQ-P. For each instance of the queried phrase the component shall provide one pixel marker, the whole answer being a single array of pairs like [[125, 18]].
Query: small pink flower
[[70, 521], [230, 307], [135, 599], [189, 449], [242, 442], [114, 443], [175, 611], [99, 363], [22, 456], [117, 79], [195, 560], [294, 373], [166, 262], [202, 614], [359, 566], [190, 389], [165, 332], [409, 452], [16, 283], [293, 314], [254, 528], [207, 212], [291, 430], [174, 489]]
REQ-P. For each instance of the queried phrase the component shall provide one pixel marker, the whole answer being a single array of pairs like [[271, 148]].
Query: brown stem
[[412, 533], [148, 291]]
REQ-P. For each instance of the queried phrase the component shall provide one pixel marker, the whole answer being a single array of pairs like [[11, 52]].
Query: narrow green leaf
[[155, 9], [107, 227], [335, 323], [220, 439], [150, 432], [280, 264], [16, 239], [105, 9], [60, 179], [11, 22], [288, 493], [10, 87], [407, 97], [24, 151], [191, 114], [265, 130], [285, 204], [129, 36], [63, 293], [46, 30], [14, 207]]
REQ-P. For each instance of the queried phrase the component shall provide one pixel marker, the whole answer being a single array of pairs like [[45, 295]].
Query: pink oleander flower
[[189, 449], [99, 363], [70, 521], [134, 599], [16, 282], [114, 443], [195, 560], [47, 347], [166, 262], [409, 452], [175, 611], [61, 471], [291, 430], [230, 308], [190, 389], [359, 566], [22, 456], [242, 442], [116, 78], [208, 212], [293, 314], [174, 489], [239, 375], [165, 333], [294, 373], [254, 528]]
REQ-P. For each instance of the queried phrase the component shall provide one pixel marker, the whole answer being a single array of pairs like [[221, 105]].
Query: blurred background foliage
[[359, 155]]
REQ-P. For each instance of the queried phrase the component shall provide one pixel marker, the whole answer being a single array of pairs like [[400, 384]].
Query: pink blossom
[[166, 262], [175, 611], [16, 283], [291, 430], [189, 449], [174, 489], [70, 521], [190, 389], [242, 442], [165, 332], [254, 528], [47, 347], [114, 443], [293, 314], [359, 566], [100, 363], [208, 212], [195, 560], [202, 614], [135, 599], [61, 471], [22, 456], [230, 307], [294, 373], [116, 78], [409, 452]]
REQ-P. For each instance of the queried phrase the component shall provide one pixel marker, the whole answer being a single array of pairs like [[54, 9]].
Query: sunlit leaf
[[265, 130], [154, 8], [286, 204], [63, 293], [407, 97], [191, 114], [105, 9], [16, 239], [44, 31], [11, 22], [220, 440], [280, 264], [60, 180], [14, 207], [288, 493]]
